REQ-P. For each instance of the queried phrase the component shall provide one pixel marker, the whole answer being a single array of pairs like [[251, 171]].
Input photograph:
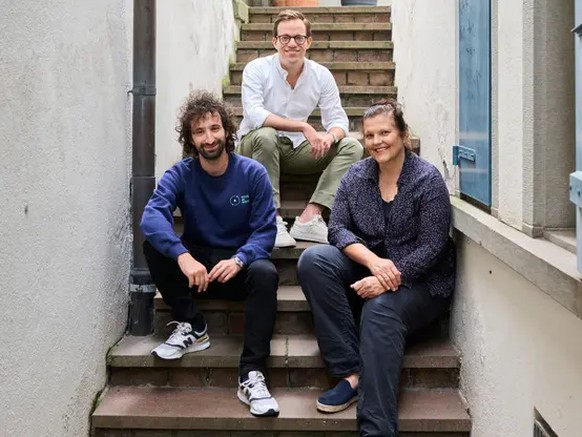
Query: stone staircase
[[196, 396]]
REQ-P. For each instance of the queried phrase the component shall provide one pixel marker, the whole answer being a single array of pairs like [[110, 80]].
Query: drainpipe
[[143, 179]]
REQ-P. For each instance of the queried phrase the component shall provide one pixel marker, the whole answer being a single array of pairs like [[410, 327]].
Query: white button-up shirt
[[265, 91]]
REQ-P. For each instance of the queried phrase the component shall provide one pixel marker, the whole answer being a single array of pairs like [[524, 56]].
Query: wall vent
[[541, 427]]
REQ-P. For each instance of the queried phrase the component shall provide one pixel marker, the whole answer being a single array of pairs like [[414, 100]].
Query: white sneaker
[[254, 393], [313, 230], [182, 340], [283, 238]]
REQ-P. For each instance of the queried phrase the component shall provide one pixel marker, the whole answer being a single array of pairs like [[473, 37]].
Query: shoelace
[[257, 387], [178, 331]]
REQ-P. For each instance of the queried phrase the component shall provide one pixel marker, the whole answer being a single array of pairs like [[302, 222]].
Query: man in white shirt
[[279, 92]]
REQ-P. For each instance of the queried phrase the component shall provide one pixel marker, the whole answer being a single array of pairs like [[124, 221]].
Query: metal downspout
[[143, 179]]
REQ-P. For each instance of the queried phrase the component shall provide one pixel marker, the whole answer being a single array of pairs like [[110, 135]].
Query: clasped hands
[[385, 277], [320, 144], [198, 275]]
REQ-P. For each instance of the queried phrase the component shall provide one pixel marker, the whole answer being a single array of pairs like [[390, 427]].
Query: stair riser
[[232, 323], [287, 323], [347, 99], [344, 77], [325, 35], [411, 378], [206, 433], [326, 55], [328, 18]]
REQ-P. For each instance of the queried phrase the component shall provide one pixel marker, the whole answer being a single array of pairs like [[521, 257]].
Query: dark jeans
[[256, 284], [375, 351]]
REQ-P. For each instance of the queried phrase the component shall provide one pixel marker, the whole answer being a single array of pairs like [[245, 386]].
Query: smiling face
[[383, 140], [291, 53], [208, 136]]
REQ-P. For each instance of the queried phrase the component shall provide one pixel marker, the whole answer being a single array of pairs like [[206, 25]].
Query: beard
[[214, 154]]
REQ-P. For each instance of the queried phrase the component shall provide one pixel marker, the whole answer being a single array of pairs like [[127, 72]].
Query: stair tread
[[219, 408], [343, 89], [239, 66], [295, 351], [289, 298], [312, 10], [353, 45], [318, 27]]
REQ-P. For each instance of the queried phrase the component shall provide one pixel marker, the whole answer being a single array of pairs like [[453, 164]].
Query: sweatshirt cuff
[[176, 250]]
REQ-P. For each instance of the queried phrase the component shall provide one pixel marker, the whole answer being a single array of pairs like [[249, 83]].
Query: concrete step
[[215, 409], [366, 14], [364, 31], [324, 51], [295, 361], [350, 95]]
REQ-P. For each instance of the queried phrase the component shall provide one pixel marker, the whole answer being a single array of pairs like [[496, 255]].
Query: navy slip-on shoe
[[338, 398]]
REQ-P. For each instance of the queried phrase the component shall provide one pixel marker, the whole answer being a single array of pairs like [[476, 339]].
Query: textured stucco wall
[[425, 52], [64, 210], [520, 350], [195, 41]]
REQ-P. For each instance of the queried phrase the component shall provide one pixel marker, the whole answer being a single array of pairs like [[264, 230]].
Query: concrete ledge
[[546, 265]]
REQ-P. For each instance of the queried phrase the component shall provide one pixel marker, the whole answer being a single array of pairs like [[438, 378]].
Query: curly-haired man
[[226, 201]]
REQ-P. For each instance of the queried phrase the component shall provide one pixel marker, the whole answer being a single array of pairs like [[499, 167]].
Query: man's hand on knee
[[194, 271]]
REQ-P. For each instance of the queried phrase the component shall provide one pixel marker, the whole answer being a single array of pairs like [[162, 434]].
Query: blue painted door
[[576, 177], [473, 153]]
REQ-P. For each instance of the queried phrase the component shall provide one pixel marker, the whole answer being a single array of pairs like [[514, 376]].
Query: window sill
[[546, 265]]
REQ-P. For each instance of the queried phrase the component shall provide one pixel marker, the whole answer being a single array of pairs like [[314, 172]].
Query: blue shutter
[[576, 177], [473, 153]]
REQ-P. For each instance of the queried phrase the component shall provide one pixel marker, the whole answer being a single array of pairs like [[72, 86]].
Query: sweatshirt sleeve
[[262, 221], [157, 222]]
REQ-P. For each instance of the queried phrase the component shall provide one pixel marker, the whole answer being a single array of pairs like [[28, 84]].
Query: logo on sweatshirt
[[237, 200]]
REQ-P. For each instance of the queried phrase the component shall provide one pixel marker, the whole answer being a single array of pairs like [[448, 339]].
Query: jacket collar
[[370, 169]]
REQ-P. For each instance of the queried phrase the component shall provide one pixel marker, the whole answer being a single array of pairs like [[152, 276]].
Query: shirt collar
[[284, 72]]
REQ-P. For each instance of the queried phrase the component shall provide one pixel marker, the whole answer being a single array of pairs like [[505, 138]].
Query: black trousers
[[365, 336], [256, 284]]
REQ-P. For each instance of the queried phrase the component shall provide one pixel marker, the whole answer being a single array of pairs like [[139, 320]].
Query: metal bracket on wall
[[460, 152], [576, 188]]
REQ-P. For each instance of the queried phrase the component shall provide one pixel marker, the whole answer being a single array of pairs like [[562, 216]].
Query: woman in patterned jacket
[[389, 270]]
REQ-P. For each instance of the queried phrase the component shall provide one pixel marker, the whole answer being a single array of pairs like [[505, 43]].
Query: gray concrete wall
[[195, 43], [520, 349], [64, 208]]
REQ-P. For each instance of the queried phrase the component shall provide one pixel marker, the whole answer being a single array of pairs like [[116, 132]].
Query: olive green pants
[[278, 156]]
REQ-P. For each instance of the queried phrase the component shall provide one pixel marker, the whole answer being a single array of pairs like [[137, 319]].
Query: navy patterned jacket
[[415, 236]]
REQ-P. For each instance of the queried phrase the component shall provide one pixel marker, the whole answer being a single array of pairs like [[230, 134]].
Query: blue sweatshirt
[[234, 210]]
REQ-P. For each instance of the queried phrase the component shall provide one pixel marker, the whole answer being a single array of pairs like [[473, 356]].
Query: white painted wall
[[64, 208], [425, 52], [520, 350], [195, 41]]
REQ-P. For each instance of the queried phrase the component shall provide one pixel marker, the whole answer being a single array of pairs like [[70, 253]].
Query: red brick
[[321, 55], [380, 79], [345, 56], [363, 36], [357, 78]]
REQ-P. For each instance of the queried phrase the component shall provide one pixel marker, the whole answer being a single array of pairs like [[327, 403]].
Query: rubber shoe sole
[[335, 408], [196, 347], [269, 413]]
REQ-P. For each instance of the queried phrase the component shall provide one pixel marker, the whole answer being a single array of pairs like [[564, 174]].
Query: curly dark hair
[[390, 107], [196, 106]]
